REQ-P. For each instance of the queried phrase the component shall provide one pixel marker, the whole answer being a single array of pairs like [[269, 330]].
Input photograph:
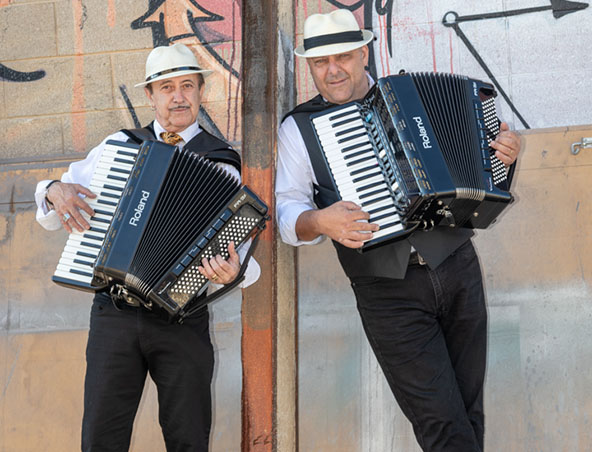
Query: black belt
[[416, 259]]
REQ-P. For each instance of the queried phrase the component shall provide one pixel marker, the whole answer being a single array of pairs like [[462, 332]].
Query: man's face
[[176, 101], [341, 78]]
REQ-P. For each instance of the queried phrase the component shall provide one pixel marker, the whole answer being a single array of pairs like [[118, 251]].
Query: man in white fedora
[[420, 300], [126, 341]]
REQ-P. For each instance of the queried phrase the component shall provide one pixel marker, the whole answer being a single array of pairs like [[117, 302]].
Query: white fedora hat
[[173, 61], [332, 33]]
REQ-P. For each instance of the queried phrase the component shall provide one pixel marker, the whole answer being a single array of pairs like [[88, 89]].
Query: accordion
[[158, 212], [415, 154]]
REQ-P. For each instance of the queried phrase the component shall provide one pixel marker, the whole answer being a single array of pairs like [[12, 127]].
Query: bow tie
[[171, 138]]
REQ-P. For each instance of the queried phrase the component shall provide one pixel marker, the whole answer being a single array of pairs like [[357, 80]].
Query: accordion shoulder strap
[[325, 193], [204, 144], [138, 136]]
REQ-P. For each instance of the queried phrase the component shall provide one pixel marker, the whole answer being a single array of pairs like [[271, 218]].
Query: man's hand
[[506, 144], [68, 204], [221, 271], [345, 222]]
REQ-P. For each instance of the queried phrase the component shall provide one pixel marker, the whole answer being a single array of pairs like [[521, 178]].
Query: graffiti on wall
[[394, 23], [451, 19], [213, 30], [10, 75]]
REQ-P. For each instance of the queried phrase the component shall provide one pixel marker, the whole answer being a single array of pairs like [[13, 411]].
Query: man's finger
[[85, 191]]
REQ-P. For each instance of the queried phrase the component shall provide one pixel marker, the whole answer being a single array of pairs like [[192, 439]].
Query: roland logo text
[[139, 209], [423, 133]]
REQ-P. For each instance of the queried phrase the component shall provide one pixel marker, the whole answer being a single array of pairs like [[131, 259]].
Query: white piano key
[[70, 263], [347, 123], [75, 247], [72, 276]]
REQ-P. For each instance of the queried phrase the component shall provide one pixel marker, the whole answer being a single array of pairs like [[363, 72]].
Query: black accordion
[[158, 212], [415, 154]]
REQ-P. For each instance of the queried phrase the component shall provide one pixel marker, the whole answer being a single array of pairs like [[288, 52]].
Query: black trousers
[[429, 334], [123, 346]]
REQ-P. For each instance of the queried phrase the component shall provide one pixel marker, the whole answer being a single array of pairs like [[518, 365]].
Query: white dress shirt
[[81, 172], [294, 191]]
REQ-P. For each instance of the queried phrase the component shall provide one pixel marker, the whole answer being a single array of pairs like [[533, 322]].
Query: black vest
[[204, 144], [390, 260]]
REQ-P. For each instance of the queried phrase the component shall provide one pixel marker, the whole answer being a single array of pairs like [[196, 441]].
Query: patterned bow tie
[[171, 138]]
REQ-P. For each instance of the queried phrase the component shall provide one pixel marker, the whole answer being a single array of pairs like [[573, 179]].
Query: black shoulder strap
[[204, 144], [138, 136], [325, 191]]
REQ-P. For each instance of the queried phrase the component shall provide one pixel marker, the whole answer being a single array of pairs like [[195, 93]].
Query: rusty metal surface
[[537, 264], [259, 19]]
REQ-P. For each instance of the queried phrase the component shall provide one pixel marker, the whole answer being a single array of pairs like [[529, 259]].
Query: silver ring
[[66, 217]]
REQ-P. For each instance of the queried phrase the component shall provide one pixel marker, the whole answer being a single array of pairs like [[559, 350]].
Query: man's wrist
[[47, 201]]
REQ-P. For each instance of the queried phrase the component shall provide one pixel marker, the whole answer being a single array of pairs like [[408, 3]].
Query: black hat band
[[175, 69], [335, 38]]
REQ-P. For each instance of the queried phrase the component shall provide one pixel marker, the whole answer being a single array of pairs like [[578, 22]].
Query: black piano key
[[95, 229], [92, 236], [341, 115], [112, 187], [90, 245], [80, 272], [83, 254], [127, 154], [118, 178], [372, 193], [103, 212], [109, 195], [345, 121], [126, 161], [346, 131], [356, 154], [365, 176], [119, 170], [372, 201], [362, 160], [352, 137], [361, 170], [100, 220], [81, 262], [354, 146], [379, 209], [107, 203], [369, 186]]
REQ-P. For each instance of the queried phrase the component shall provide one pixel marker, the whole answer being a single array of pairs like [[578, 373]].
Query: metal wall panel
[[537, 265]]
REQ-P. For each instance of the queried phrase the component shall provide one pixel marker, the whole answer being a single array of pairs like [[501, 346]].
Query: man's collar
[[186, 134]]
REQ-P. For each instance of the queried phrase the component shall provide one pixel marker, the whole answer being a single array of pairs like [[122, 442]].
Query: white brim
[[205, 73], [334, 49]]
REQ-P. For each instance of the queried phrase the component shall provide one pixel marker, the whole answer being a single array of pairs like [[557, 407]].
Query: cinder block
[[62, 90], [128, 70], [27, 31], [102, 29], [223, 120], [84, 132], [29, 137]]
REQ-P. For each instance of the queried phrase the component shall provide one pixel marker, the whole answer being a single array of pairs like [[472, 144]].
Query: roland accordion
[[158, 212], [415, 154]]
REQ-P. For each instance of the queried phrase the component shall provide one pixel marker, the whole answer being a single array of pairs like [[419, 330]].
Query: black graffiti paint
[[10, 75], [451, 19]]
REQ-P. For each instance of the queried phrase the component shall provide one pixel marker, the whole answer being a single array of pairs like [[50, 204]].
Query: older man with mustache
[[126, 342]]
